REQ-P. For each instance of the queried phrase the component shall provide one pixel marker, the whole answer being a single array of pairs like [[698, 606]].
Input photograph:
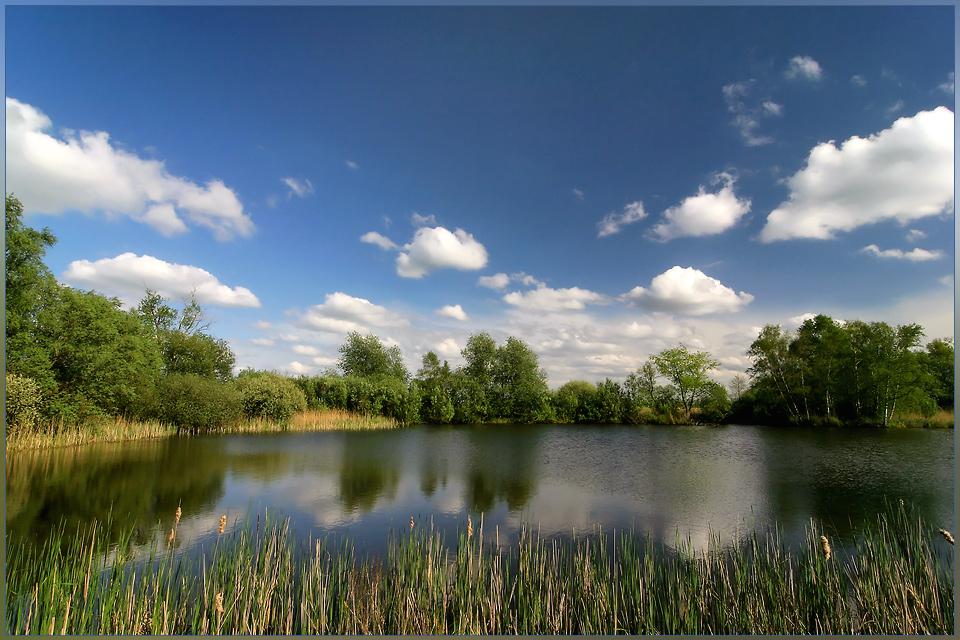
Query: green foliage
[[688, 372], [519, 385], [857, 372], [367, 357], [269, 395], [196, 404], [184, 345], [101, 358], [23, 402]]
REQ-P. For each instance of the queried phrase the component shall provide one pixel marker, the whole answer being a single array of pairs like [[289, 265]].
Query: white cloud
[[128, 276], [305, 350], [747, 118], [454, 312], [352, 165], [772, 108], [418, 220], [448, 348], [263, 342], [497, 281], [262, 324], [381, 241], [858, 80], [902, 173], [613, 222], [915, 235], [917, 255], [895, 107], [948, 86], [704, 214], [297, 187], [545, 299], [438, 248], [299, 368], [86, 173], [687, 291], [803, 67], [578, 193], [341, 313]]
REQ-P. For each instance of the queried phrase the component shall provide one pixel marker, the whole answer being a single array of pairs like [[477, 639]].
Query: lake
[[691, 482]]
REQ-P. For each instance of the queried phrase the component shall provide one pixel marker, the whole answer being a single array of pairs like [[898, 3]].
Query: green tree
[[688, 372], [367, 357], [519, 384], [775, 366], [102, 359], [937, 363], [30, 288], [480, 355], [185, 346]]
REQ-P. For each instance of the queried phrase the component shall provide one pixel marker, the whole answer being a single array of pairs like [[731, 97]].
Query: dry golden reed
[[223, 523], [825, 545], [947, 536]]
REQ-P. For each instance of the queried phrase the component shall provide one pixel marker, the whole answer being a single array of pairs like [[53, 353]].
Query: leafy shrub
[[196, 404], [268, 395], [23, 402]]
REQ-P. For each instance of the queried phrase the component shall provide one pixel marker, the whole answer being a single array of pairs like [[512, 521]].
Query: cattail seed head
[[223, 523], [170, 539], [411, 523], [825, 545], [218, 603], [469, 527], [947, 536], [176, 517]]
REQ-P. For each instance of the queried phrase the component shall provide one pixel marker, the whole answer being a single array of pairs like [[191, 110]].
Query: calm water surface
[[661, 481]]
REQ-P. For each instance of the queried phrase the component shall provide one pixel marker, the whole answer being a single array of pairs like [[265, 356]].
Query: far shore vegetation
[[80, 368], [898, 579]]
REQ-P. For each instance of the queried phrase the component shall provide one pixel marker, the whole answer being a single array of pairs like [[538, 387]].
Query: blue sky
[[603, 183]]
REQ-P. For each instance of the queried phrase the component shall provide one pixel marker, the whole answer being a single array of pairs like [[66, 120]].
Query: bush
[[196, 404], [268, 395], [23, 402]]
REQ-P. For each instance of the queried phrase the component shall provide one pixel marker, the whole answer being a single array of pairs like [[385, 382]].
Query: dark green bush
[[196, 404], [264, 394]]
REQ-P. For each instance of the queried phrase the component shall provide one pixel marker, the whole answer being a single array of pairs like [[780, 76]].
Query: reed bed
[[898, 580], [61, 434]]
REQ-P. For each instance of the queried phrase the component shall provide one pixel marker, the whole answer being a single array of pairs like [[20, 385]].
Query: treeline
[[506, 383], [832, 372], [77, 357]]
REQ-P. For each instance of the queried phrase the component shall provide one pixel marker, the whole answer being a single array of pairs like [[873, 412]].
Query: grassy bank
[[59, 434], [247, 581]]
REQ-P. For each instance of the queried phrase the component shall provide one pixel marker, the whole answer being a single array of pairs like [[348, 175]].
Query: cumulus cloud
[[497, 281], [418, 220], [803, 67], [381, 241], [545, 299], [686, 291], [902, 173], [128, 276], [704, 214], [858, 80], [454, 312], [614, 222], [437, 248], [297, 187], [747, 113], [341, 313], [85, 172], [917, 255], [305, 350], [915, 235]]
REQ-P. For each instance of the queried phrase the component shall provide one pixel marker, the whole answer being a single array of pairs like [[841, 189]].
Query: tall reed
[[253, 579]]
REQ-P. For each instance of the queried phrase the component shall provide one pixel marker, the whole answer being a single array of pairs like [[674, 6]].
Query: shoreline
[[122, 430]]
